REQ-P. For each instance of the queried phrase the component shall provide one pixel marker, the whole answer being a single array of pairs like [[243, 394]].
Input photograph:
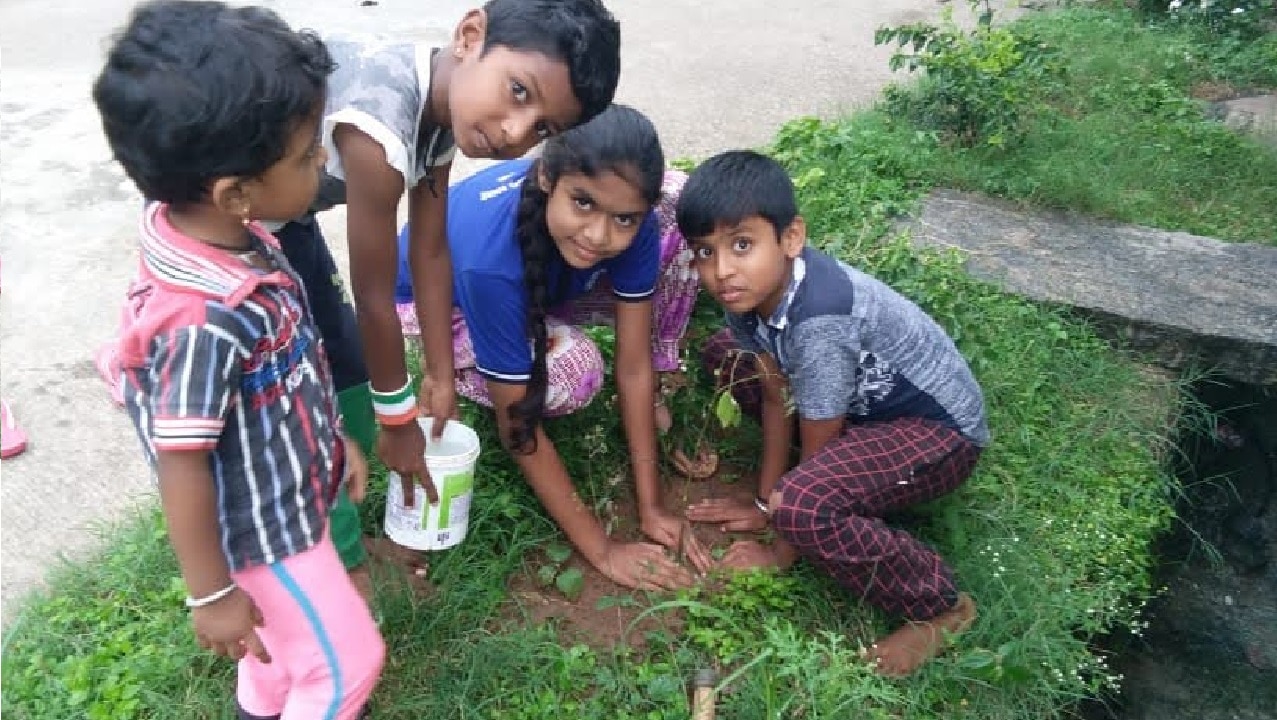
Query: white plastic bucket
[[451, 461]]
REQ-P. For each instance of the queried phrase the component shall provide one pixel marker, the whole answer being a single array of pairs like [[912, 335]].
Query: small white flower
[[1238, 11], [1175, 5]]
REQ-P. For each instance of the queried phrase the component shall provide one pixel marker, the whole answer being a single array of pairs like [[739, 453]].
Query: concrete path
[[712, 74]]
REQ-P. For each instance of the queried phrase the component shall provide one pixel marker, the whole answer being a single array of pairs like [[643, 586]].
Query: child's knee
[[337, 681], [795, 512], [575, 371], [715, 353]]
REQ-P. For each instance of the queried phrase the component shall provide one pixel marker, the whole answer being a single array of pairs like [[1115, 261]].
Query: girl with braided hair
[[581, 235]]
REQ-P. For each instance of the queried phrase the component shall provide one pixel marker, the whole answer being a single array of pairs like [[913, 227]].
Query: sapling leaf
[[726, 409], [570, 582], [546, 575], [558, 552]]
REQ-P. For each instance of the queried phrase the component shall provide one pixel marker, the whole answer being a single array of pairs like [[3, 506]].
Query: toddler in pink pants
[[222, 368]]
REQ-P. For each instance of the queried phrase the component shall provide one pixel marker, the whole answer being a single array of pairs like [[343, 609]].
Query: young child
[[214, 113], [585, 233], [516, 72], [888, 414]]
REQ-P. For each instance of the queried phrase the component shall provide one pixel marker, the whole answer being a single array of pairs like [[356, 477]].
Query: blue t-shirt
[[487, 269]]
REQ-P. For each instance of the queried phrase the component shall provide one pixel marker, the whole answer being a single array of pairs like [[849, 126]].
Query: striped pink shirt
[[223, 357]]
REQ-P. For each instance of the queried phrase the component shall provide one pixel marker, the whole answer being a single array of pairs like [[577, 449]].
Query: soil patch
[[603, 614], [599, 613]]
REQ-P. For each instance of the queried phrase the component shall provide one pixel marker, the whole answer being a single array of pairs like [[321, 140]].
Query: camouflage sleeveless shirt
[[382, 88]]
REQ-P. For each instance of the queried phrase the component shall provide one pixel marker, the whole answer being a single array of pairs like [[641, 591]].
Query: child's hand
[[734, 514], [661, 526], [701, 467], [227, 627], [675, 534], [438, 400], [356, 476], [403, 449], [643, 566], [749, 554]]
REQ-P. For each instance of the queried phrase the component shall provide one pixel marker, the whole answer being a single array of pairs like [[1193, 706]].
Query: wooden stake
[[703, 698]]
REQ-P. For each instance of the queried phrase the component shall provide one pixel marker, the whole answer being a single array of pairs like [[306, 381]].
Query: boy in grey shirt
[[514, 73], [888, 413]]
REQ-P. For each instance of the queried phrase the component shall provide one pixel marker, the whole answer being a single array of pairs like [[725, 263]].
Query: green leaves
[[727, 410], [982, 86], [570, 582], [546, 575], [558, 553]]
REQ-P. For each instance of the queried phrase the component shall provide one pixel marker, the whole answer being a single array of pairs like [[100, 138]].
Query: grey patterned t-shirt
[[381, 88], [852, 347]]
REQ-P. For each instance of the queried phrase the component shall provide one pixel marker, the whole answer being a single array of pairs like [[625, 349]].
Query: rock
[[1183, 299], [1256, 116]]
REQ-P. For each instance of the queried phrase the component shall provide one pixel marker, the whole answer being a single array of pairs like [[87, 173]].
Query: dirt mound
[[558, 586]]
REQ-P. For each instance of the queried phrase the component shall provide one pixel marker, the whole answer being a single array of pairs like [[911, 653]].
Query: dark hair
[[580, 33], [195, 91], [620, 140], [732, 186]]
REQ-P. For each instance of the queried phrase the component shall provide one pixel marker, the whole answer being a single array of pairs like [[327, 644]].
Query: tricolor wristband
[[395, 408]]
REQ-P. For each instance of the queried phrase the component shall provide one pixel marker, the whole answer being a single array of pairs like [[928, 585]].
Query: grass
[[1052, 535], [1121, 135]]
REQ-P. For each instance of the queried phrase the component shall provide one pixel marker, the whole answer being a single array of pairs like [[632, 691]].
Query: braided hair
[[620, 140]]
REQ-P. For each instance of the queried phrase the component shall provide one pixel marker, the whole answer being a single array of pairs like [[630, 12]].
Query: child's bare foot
[[701, 467], [362, 580], [668, 382], [914, 643], [664, 420]]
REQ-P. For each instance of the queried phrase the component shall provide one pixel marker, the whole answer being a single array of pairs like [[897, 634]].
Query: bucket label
[[454, 497], [430, 527]]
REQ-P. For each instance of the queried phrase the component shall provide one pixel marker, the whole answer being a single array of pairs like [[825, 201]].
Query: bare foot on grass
[[410, 566], [914, 643]]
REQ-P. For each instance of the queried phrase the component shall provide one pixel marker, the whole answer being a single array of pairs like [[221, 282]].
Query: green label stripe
[[452, 486]]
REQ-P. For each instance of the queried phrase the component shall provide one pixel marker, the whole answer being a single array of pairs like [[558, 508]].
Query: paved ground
[[713, 74]]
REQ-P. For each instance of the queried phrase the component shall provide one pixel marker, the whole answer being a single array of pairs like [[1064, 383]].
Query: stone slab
[[1183, 299]]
